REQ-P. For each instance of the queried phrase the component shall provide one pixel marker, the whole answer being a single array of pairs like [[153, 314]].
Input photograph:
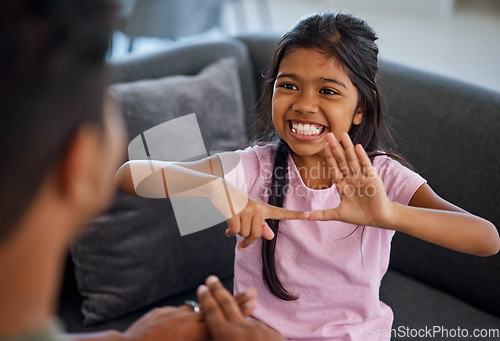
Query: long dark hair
[[352, 43]]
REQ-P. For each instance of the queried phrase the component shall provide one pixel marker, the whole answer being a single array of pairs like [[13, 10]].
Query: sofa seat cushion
[[418, 307]]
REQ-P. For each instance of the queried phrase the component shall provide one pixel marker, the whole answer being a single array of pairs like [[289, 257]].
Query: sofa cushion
[[188, 59], [214, 95], [419, 308], [133, 255]]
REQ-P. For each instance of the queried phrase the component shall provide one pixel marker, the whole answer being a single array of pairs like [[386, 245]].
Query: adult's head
[[350, 42], [52, 95]]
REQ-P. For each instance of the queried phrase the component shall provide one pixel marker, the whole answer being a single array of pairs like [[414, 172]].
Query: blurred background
[[454, 38]]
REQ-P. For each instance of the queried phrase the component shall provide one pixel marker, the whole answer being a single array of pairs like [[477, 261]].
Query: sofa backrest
[[189, 59], [447, 130]]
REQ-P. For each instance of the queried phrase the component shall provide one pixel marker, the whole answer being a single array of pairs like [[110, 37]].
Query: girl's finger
[[233, 226], [352, 157], [246, 242], [278, 213], [333, 167], [267, 232], [255, 233], [245, 227], [330, 214], [339, 154], [256, 225], [364, 160]]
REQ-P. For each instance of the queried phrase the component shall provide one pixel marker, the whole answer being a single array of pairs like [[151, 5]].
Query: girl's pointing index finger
[[277, 213]]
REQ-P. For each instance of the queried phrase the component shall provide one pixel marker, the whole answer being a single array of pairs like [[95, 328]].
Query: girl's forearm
[[457, 231], [157, 179]]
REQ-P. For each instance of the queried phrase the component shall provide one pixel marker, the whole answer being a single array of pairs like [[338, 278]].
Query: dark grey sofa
[[446, 129]]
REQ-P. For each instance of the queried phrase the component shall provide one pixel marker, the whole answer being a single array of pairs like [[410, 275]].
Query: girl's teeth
[[306, 129]]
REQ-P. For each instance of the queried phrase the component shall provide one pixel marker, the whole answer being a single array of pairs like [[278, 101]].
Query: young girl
[[320, 278]]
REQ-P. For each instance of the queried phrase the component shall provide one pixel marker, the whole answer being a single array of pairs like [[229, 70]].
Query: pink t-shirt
[[335, 273]]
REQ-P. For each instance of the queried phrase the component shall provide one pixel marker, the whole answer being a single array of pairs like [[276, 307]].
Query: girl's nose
[[305, 103]]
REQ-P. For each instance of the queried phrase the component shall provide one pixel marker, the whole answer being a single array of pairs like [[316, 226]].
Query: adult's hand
[[246, 301], [224, 318], [169, 323]]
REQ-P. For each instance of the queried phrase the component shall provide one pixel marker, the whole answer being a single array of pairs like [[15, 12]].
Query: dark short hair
[[52, 80]]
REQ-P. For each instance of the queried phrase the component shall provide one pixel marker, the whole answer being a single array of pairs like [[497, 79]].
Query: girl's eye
[[328, 92], [288, 86]]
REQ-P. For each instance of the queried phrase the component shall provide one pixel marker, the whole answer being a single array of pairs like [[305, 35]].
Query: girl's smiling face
[[312, 96]]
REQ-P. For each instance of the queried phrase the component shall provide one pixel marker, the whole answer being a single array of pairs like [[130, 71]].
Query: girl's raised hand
[[363, 200]]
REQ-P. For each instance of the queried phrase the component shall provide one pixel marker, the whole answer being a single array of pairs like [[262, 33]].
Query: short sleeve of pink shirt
[[333, 267]]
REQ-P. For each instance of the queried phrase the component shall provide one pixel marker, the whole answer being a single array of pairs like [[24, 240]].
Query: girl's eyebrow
[[329, 80], [323, 80], [288, 75]]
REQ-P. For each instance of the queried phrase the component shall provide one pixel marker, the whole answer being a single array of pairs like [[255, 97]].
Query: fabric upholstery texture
[[133, 255]]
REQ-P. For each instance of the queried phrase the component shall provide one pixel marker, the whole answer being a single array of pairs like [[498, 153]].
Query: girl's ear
[[358, 117]]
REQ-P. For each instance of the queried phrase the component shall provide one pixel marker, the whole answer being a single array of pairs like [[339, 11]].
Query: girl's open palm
[[363, 200]]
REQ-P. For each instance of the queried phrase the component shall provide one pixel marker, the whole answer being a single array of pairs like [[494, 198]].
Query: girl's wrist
[[392, 219], [224, 197], [398, 218]]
